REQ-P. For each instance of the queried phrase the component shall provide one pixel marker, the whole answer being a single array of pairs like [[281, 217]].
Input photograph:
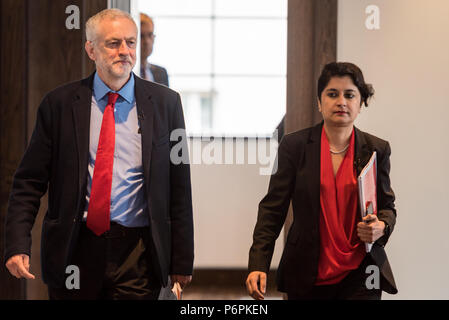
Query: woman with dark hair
[[324, 256]]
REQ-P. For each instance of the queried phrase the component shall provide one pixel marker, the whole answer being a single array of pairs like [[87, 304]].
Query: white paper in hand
[[367, 185]]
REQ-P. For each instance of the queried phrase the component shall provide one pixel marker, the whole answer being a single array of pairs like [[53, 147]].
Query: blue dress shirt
[[127, 198]]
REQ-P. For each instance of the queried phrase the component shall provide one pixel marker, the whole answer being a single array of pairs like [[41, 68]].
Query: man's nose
[[123, 49]]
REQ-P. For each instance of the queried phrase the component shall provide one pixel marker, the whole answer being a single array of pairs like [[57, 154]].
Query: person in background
[[149, 71], [119, 208], [324, 256], [280, 130]]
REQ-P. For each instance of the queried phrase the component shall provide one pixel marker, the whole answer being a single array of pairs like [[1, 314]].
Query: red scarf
[[341, 250]]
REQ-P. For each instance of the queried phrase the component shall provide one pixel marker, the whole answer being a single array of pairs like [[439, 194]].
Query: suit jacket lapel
[[362, 151], [313, 163], [145, 114], [155, 73], [81, 109]]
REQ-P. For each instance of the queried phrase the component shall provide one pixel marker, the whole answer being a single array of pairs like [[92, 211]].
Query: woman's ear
[[319, 104]]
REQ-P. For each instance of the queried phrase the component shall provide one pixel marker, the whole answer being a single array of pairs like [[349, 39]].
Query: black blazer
[[160, 74], [298, 179], [57, 159]]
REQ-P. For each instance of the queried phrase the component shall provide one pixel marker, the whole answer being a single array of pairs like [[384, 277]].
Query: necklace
[[338, 152]]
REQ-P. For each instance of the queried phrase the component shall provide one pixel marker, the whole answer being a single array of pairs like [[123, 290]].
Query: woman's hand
[[370, 229], [252, 284]]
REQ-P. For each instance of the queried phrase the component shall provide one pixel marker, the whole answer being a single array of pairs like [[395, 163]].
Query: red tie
[[98, 213]]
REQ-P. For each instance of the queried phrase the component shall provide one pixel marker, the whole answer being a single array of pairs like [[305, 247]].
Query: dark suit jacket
[[160, 74], [57, 159], [298, 179]]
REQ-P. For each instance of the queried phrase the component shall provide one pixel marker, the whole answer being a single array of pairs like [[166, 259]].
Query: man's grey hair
[[92, 23]]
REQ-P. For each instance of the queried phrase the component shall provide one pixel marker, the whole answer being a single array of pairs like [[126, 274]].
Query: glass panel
[[251, 8], [222, 66], [251, 46], [183, 46], [156, 8], [196, 96], [248, 105]]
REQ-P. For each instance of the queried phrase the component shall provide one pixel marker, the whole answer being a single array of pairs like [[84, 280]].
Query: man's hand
[[370, 229], [183, 280], [19, 266], [253, 281]]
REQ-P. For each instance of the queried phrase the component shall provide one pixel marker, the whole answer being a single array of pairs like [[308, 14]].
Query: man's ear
[[89, 46]]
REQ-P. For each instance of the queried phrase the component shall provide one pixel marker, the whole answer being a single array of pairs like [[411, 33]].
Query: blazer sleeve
[[385, 194], [181, 200], [273, 209], [29, 184]]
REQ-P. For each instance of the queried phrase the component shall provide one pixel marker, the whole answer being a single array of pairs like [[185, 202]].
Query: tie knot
[[112, 97]]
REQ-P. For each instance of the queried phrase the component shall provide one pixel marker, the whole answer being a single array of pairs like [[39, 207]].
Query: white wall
[[225, 202], [407, 61]]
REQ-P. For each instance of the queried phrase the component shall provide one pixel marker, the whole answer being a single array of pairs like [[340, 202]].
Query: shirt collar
[[101, 89]]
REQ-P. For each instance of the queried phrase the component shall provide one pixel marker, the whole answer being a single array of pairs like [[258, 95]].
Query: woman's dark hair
[[341, 69]]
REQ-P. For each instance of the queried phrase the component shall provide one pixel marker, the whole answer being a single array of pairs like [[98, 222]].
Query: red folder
[[367, 183]]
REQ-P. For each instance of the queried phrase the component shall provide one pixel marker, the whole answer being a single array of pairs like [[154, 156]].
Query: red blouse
[[341, 250]]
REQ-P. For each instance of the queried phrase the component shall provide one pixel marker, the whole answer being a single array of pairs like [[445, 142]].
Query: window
[[227, 59]]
